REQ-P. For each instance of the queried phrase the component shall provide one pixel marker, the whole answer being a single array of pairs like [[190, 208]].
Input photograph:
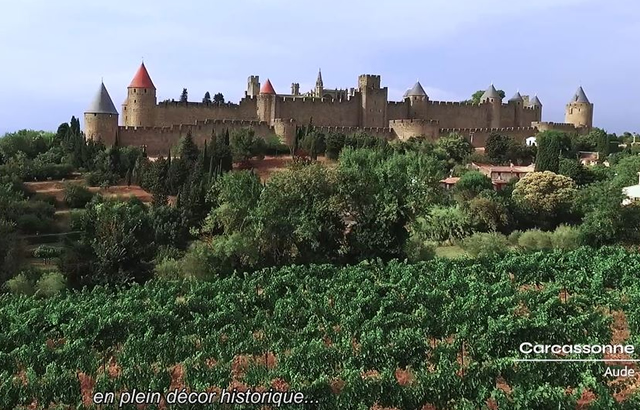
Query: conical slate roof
[[406, 94], [267, 88], [580, 96], [142, 79], [490, 93], [416, 91], [516, 97], [535, 102], [319, 80], [102, 103]]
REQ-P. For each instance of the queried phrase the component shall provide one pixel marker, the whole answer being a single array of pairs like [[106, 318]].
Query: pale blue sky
[[55, 52]]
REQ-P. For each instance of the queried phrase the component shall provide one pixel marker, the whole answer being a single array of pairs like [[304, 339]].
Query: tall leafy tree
[[552, 145], [218, 98], [206, 98], [184, 97], [188, 150]]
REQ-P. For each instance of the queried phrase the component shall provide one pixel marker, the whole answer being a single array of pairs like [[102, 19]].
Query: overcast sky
[[54, 53]]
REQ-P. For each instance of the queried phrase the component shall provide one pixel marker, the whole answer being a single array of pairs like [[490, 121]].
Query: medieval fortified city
[[336, 205], [159, 126]]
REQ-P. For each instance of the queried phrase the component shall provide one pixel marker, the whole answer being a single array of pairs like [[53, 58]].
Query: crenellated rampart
[[159, 140], [478, 136], [320, 111]]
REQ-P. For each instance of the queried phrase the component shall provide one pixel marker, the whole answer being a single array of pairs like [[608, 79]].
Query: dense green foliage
[[347, 337]]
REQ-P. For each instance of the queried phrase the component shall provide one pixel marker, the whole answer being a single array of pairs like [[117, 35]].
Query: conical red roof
[[142, 79], [267, 88]]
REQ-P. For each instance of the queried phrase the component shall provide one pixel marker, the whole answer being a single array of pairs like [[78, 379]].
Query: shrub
[[514, 237], [485, 244], [46, 252], [32, 224], [274, 146], [76, 196], [168, 269], [417, 249], [20, 285], [565, 237], [49, 284], [101, 179], [47, 199], [334, 144], [535, 240]]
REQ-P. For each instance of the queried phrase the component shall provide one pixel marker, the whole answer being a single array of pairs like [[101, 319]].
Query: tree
[[573, 169], [312, 228], [471, 184], [502, 149], [626, 171], [475, 97], [456, 146], [207, 98], [603, 142], [488, 214], [381, 192], [245, 144], [116, 245], [158, 174], [545, 191], [497, 147], [334, 144], [314, 143], [184, 97], [552, 145], [218, 98], [187, 149]]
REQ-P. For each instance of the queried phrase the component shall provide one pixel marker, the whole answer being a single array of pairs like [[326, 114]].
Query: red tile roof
[[142, 79], [267, 88], [450, 180]]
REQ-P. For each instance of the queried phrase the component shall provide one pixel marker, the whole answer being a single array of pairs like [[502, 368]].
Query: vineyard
[[435, 335]]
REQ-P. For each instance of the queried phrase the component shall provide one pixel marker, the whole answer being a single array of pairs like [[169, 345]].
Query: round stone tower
[[418, 100], [101, 118], [579, 111], [492, 97], [140, 106], [266, 103]]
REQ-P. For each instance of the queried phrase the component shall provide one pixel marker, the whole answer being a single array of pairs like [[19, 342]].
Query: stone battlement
[[413, 121], [485, 130], [458, 103], [177, 127], [366, 109], [312, 100]]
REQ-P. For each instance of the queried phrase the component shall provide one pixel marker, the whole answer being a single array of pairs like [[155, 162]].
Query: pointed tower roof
[[406, 93], [417, 90], [516, 97], [490, 93], [102, 103], [535, 102], [267, 88], [580, 97], [142, 79], [319, 80]]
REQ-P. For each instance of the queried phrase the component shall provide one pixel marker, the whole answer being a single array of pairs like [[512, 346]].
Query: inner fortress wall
[[530, 115], [478, 136], [173, 113], [325, 112], [397, 110], [459, 115], [160, 140]]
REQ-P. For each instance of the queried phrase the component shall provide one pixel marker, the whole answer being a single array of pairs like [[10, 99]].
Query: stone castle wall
[[478, 136], [172, 113], [322, 112], [159, 140]]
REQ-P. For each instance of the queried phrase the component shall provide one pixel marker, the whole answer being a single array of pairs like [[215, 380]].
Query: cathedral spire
[[319, 80]]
